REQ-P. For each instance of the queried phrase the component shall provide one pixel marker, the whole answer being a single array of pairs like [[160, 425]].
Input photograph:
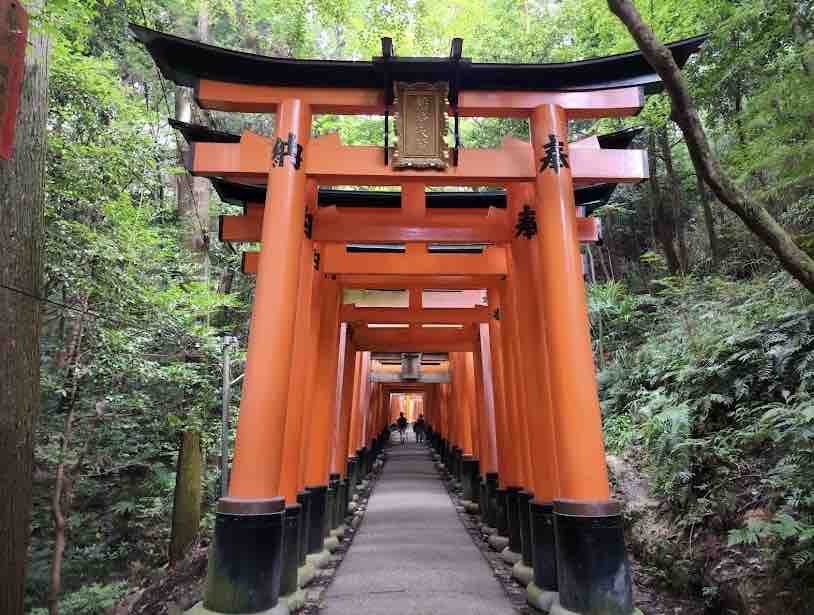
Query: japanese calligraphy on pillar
[[421, 126], [288, 148], [526, 223], [555, 157]]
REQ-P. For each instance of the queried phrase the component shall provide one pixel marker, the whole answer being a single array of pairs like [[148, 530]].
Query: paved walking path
[[412, 555]]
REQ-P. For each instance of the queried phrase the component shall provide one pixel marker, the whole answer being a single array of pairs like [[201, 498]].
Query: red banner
[[13, 40]]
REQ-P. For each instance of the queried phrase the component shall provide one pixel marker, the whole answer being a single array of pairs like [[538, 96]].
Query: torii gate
[[519, 423]]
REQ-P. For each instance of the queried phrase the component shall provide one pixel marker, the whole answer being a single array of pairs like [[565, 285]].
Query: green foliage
[[93, 599], [715, 394], [710, 377]]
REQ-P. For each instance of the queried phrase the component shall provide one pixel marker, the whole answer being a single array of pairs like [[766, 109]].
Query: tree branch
[[684, 113]]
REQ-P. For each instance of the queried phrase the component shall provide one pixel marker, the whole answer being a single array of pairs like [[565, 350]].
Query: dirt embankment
[[677, 572]]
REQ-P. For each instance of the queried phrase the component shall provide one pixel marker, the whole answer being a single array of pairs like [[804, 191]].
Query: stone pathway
[[412, 555]]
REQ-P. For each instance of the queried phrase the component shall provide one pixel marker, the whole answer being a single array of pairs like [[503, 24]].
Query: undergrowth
[[712, 383]]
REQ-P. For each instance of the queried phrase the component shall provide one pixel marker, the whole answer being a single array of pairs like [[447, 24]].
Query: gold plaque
[[421, 126]]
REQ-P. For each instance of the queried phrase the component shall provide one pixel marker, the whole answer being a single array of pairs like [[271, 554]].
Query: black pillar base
[[330, 507], [501, 523], [543, 552], [468, 473], [490, 491], [513, 519], [334, 504], [316, 520], [352, 471], [476, 481], [362, 454], [368, 459], [342, 502], [245, 557], [523, 500], [483, 502], [593, 572], [304, 500], [291, 549]]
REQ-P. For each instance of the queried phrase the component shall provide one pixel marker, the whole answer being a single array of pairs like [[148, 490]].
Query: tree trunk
[[186, 507], [753, 214], [63, 493], [22, 197], [675, 200], [62, 480], [709, 221], [227, 279], [663, 226], [193, 211]]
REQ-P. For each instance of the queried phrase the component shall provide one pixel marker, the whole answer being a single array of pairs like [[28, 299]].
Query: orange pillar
[[470, 395], [486, 403], [323, 405], [355, 417], [514, 337], [307, 321], [580, 448], [513, 388], [535, 365], [306, 380], [506, 454], [261, 426], [447, 411], [361, 403], [348, 371]]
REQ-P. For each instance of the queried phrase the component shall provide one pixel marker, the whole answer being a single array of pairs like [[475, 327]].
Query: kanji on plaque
[[13, 36]]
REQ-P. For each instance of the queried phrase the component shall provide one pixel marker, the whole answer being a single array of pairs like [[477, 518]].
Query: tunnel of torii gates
[[490, 336]]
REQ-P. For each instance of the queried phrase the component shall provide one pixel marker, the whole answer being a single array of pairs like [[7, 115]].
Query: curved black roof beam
[[234, 193], [185, 62], [621, 139], [195, 133]]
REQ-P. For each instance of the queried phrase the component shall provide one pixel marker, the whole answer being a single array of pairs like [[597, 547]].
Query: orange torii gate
[[518, 423]]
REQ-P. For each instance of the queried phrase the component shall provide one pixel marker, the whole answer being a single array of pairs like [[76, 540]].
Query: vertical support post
[[592, 570], [536, 516], [506, 452], [305, 340], [471, 456], [249, 521], [323, 409], [349, 377], [225, 422], [291, 486], [514, 359], [258, 450]]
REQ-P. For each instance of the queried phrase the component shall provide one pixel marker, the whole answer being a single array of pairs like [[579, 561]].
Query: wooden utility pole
[[22, 197]]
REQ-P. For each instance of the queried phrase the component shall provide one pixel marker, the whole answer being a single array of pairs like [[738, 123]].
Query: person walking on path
[[420, 428], [402, 425]]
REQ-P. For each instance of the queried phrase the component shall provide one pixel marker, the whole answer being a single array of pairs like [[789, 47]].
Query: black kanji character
[[555, 155], [288, 148], [526, 223]]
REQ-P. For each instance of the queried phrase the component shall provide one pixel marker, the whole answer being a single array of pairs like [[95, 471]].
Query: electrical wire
[[115, 321]]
